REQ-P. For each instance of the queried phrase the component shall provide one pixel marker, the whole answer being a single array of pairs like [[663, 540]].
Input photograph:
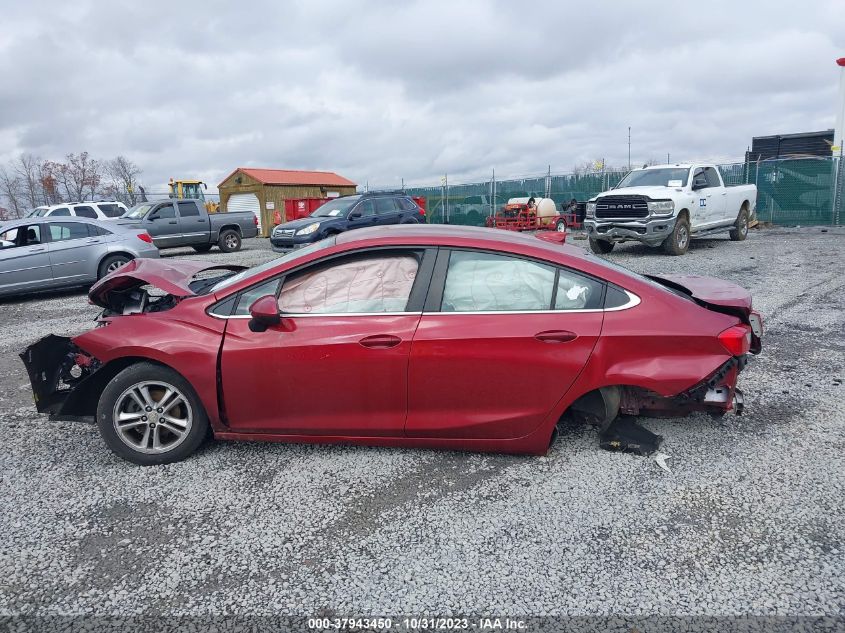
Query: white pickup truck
[[667, 205]]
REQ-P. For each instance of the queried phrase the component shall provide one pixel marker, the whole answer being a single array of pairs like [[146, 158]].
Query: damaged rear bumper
[[717, 394], [57, 369]]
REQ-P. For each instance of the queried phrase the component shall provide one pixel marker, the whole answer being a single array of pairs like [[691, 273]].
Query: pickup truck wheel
[[678, 242], [202, 248], [149, 414], [229, 241], [740, 230], [601, 246], [111, 264]]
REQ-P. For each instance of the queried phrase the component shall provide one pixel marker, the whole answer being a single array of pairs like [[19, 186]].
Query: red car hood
[[709, 290], [171, 277]]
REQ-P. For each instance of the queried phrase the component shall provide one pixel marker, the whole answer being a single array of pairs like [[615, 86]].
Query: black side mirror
[[355, 215], [699, 183], [264, 312]]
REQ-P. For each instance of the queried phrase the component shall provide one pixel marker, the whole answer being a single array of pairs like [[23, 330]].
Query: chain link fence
[[807, 191]]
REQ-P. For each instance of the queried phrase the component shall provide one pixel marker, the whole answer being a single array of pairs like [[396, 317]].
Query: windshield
[[257, 270], [334, 208], [138, 211], [37, 213], [656, 178]]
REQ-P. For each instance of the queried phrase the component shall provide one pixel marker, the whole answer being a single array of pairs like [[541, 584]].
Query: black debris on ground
[[624, 434]]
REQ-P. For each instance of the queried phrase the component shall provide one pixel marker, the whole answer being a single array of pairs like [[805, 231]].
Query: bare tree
[[10, 189], [49, 186], [28, 169], [79, 177], [124, 179]]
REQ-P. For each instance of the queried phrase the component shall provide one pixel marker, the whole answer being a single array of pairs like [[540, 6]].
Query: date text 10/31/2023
[[423, 623]]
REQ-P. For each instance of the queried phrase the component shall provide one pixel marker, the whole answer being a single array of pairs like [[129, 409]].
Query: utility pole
[[667, 158], [629, 148], [838, 143]]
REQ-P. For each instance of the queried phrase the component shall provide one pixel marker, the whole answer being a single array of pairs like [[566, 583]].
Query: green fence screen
[[789, 192]]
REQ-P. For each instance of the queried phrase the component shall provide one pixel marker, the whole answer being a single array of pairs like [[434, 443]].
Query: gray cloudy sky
[[383, 90]]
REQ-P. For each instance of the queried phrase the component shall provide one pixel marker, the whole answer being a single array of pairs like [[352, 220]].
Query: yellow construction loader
[[192, 190]]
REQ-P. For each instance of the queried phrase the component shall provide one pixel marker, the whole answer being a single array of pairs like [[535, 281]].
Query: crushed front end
[[56, 369]]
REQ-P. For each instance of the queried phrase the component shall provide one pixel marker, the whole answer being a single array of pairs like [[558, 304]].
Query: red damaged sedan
[[420, 336]]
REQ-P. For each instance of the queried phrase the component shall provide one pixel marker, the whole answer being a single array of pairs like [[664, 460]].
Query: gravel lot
[[749, 521]]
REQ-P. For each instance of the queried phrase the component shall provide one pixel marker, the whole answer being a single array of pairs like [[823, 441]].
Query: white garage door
[[245, 202]]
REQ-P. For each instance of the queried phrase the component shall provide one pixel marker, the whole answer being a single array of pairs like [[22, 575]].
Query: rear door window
[[111, 210], [59, 211], [63, 231], [385, 205], [188, 210], [577, 292], [484, 282], [85, 212]]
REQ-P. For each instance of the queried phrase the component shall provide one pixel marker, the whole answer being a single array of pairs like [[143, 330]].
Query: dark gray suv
[[345, 214]]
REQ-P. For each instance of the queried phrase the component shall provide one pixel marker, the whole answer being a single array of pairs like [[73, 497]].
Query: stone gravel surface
[[750, 519]]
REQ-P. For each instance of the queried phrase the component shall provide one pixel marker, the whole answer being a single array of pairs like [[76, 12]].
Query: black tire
[[560, 227], [678, 242], [111, 264], [602, 247], [740, 230], [202, 248], [139, 429], [410, 221], [230, 241]]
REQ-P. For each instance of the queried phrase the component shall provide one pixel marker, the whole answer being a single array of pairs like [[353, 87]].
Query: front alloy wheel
[[152, 417], [149, 414]]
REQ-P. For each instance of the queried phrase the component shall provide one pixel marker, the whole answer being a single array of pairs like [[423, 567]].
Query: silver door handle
[[37, 250]]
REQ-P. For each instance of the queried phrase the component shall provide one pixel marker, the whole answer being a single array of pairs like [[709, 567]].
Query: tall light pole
[[629, 148], [837, 149], [839, 130]]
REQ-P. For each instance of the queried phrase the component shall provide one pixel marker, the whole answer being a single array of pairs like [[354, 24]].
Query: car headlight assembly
[[308, 230], [661, 207], [591, 210]]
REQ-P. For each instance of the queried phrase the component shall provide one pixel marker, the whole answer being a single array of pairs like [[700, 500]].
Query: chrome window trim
[[320, 314], [633, 301]]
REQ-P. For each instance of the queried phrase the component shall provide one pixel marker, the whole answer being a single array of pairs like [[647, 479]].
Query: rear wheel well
[[112, 254], [230, 227], [598, 407]]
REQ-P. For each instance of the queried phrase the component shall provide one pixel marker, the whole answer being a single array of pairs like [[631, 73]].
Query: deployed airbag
[[364, 285]]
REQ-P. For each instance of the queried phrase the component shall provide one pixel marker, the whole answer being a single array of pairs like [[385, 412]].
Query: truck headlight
[[662, 207], [308, 230], [591, 210]]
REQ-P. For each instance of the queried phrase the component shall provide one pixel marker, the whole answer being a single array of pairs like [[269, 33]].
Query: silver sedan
[[47, 253]]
